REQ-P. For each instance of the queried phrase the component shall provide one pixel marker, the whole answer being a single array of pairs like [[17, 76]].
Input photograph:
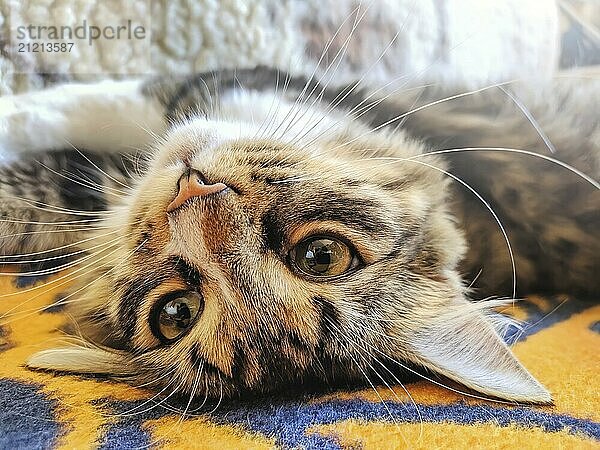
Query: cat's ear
[[88, 360], [463, 345]]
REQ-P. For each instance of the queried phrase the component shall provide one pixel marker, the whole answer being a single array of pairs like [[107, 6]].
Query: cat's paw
[[27, 126], [7, 110]]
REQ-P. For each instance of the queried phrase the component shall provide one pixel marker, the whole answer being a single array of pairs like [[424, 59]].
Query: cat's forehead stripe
[[328, 316], [133, 296], [186, 271], [362, 215], [138, 289]]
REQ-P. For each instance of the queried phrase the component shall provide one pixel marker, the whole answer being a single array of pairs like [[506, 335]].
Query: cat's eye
[[175, 314], [323, 256]]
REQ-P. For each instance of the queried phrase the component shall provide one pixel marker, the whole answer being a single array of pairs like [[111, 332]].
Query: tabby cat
[[245, 231]]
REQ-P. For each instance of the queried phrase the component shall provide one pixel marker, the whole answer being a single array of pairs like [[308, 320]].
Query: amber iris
[[322, 256], [176, 315]]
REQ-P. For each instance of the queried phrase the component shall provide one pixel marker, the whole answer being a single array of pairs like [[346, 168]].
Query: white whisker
[[530, 118]]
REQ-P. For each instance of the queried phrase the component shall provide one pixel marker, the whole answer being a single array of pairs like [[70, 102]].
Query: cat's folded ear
[[463, 345], [83, 360]]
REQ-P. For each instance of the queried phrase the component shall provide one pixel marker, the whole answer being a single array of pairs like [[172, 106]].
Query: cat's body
[[296, 162]]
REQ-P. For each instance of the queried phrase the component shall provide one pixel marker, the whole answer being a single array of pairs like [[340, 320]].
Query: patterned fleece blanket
[[559, 344]]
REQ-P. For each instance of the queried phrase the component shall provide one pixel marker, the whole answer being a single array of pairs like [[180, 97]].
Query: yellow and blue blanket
[[559, 345]]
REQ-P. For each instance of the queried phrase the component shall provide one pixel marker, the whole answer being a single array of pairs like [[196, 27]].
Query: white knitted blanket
[[450, 42]]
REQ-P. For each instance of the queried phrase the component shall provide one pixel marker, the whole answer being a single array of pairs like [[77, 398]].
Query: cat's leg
[[116, 116], [62, 161], [52, 208]]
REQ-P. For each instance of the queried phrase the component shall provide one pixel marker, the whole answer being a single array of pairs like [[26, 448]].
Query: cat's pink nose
[[191, 185]]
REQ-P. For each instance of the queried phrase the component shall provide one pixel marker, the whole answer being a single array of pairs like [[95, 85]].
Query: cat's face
[[314, 260]]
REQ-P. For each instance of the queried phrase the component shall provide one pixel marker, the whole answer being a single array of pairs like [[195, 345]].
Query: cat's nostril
[[191, 184]]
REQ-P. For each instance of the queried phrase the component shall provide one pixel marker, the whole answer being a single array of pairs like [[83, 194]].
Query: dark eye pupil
[[175, 316], [319, 255], [176, 313]]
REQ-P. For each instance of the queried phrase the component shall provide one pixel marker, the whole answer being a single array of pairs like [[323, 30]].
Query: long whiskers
[[530, 118], [74, 244], [87, 183], [420, 108], [46, 207], [57, 224], [376, 360], [310, 79], [337, 59], [61, 267], [558, 162], [480, 198], [364, 373], [69, 278], [98, 168]]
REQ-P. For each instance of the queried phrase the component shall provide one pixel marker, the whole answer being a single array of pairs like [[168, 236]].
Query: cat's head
[[324, 256]]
